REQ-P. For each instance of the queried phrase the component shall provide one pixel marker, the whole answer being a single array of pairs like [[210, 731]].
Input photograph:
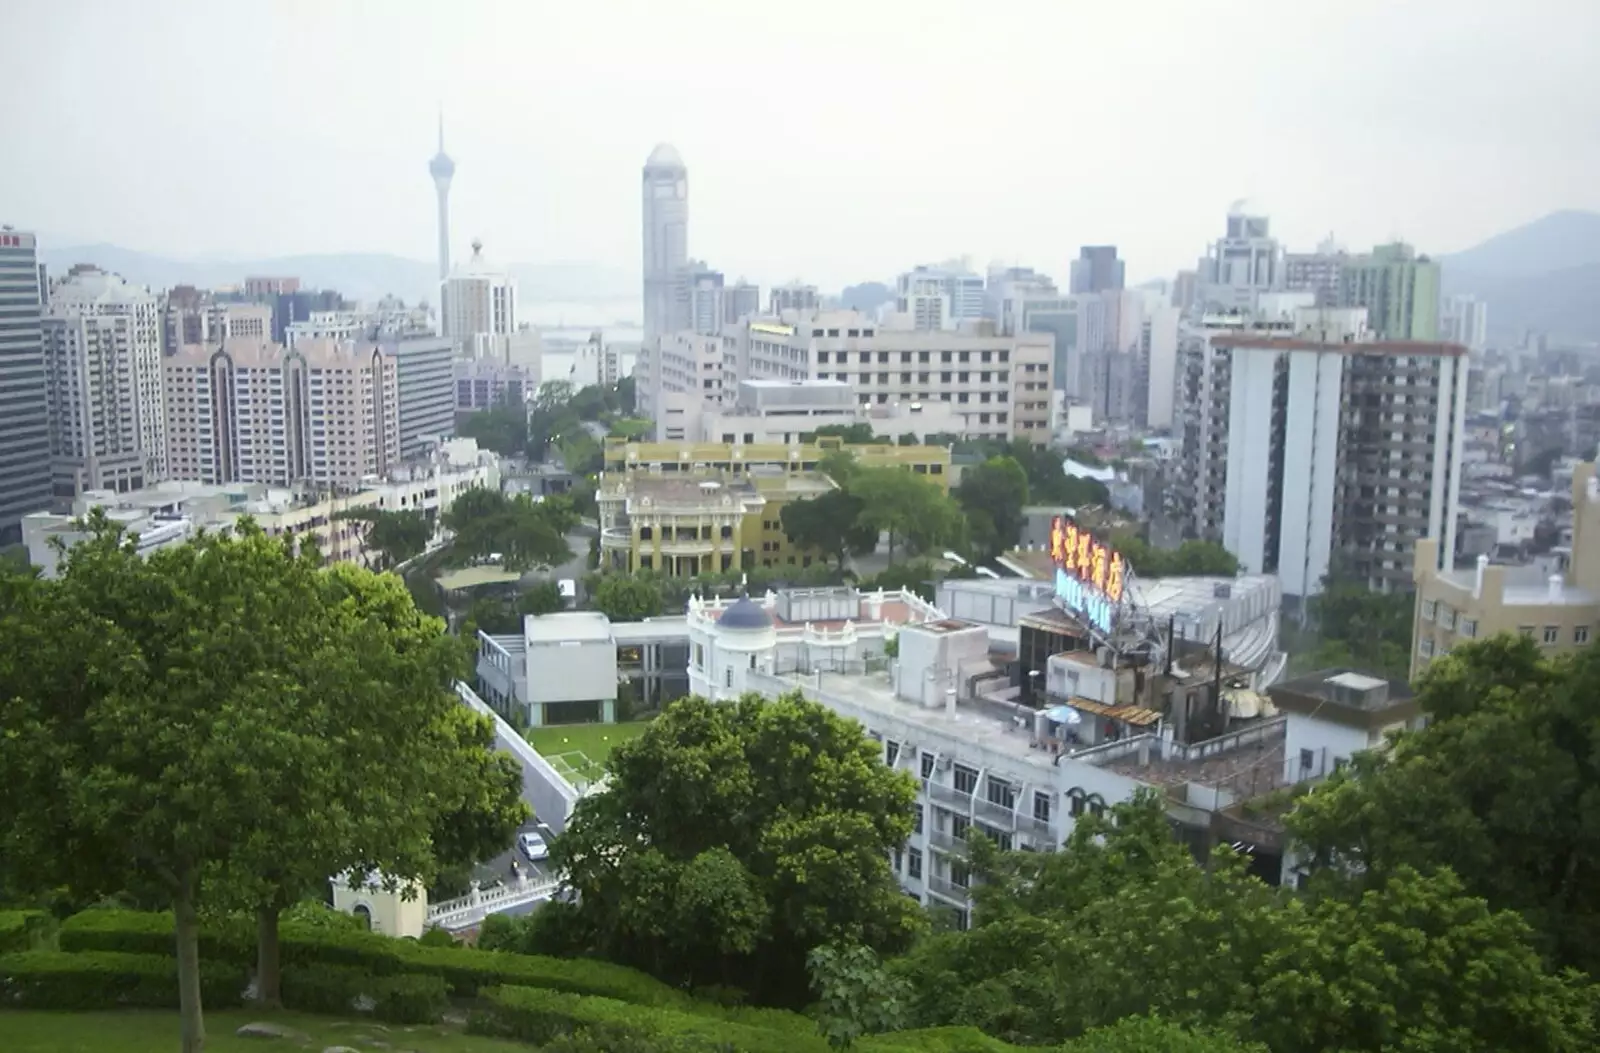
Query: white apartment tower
[[24, 393], [102, 349], [666, 238], [480, 305], [1325, 447], [323, 413]]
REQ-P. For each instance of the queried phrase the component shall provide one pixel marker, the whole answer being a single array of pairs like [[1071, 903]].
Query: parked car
[[533, 846]]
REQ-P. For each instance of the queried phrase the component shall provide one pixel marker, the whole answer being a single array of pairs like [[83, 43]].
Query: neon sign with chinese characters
[[1089, 573]]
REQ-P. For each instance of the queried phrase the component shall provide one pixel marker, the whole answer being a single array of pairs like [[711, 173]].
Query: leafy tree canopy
[[992, 496], [720, 853], [1123, 923], [1501, 786], [626, 598], [830, 524], [524, 532], [393, 536], [502, 428]]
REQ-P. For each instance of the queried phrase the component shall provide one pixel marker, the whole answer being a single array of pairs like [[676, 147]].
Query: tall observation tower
[[442, 168]]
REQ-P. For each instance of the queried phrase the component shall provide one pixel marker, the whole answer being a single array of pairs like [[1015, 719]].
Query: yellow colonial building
[[1559, 611], [682, 509], [736, 459]]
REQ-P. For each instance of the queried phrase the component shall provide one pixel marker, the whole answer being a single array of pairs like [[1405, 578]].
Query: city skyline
[[549, 182]]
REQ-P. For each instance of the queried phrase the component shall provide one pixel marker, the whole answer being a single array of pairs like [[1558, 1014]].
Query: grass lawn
[[155, 1031], [581, 749]]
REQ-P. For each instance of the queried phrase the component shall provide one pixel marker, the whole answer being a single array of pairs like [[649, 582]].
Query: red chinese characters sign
[[1089, 573]]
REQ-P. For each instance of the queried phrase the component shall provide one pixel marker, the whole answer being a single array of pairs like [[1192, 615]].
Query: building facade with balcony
[[739, 458]]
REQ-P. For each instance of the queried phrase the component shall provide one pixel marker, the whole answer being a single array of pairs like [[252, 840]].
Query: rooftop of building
[[628, 452], [678, 491], [89, 286], [566, 627], [1342, 695], [826, 609], [1391, 348], [1525, 586]]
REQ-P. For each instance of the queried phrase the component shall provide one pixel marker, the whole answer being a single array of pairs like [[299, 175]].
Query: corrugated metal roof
[[1136, 715]]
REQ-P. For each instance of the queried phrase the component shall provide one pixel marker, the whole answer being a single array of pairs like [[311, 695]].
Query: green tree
[[1501, 786], [503, 428], [525, 533], [543, 598], [1192, 558], [831, 524], [394, 536], [992, 496], [626, 598], [720, 854], [187, 739], [910, 508], [855, 995], [1123, 923]]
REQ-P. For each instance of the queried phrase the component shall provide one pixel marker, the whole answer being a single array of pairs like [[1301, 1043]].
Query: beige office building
[[1560, 611], [324, 413], [998, 386]]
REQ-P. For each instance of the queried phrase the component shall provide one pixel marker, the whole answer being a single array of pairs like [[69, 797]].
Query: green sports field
[[579, 751]]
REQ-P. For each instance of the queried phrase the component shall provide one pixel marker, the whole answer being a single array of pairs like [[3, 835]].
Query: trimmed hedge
[[411, 999], [140, 932], [468, 971], [17, 928], [465, 970], [539, 1016], [109, 980], [327, 989], [937, 1040]]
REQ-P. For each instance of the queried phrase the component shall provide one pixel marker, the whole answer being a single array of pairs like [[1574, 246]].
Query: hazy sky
[[833, 141]]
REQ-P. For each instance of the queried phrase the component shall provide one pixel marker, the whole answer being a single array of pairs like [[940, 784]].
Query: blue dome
[[745, 613]]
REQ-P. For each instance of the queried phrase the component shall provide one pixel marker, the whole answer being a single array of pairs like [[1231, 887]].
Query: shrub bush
[[467, 971], [141, 932], [936, 1040], [412, 999], [370, 952], [541, 1016], [316, 988], [110, 980], [437, 937], [17, 928]]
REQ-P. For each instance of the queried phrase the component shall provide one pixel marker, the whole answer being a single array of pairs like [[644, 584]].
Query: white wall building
[[561, 669], [480, 305], [677, 376], [1465, 320], [780, 411], [102, 354], [1158, 345], [999, 386], [1245, 262], [168, 513], [1331, 442]]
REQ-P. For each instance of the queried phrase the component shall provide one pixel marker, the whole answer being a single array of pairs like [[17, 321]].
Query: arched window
[[364, 913]]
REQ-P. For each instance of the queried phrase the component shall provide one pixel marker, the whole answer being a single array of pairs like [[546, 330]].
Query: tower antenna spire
[[441, 127]]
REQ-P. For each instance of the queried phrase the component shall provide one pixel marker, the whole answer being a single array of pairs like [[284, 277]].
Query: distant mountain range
[[1543, 276], [364, 277]]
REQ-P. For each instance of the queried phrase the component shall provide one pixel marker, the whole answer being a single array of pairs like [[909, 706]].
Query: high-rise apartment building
[[740, 299], [1311, 446], [480, 304], [1097, 270], [322, 413], [102, 349], [675, 376], [259, 288], [1158, 358], [1399, 289], [25, 431], [793, 297], [666, 237], [999, 385], [1465, 320], [697, 299], [1246, 262], [940, 296], [425, 380], [1318, 273]]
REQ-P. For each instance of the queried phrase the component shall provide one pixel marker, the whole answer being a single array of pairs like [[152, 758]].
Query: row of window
[[843, 357]]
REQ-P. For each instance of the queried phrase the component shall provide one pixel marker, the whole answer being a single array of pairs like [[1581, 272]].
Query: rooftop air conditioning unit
[[942, 764]]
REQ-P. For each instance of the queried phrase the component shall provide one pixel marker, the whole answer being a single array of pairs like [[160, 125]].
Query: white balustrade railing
[[480, 903]]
